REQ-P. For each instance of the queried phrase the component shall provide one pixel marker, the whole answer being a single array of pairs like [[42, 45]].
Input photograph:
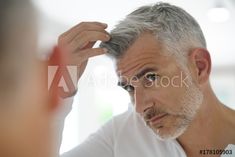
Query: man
[[163, 63]]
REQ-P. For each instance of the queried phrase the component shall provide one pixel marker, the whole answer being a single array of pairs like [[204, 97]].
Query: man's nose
[[142, 100]]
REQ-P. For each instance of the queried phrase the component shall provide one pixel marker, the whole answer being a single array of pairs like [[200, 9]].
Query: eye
[[151, 76], [129, 88]]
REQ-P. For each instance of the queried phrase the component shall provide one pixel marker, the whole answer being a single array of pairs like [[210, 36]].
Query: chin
[[168, 133]]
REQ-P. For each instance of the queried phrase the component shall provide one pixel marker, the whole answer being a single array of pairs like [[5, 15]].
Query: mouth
[[156, 119]]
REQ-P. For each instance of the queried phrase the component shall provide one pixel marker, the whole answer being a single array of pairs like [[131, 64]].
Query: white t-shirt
[[127, 136]]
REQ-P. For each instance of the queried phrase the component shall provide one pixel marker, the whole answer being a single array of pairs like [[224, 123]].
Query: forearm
[[58, 124]]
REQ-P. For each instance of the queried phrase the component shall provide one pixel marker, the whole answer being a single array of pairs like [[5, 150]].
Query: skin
[[27, 108], [209, 113]]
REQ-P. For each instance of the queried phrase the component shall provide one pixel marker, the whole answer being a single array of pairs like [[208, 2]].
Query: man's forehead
[[132, 65], [146, 50], [145, 45], [149, 63]]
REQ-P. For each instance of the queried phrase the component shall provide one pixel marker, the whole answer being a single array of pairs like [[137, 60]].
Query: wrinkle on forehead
[[124, 69], [145, 49]]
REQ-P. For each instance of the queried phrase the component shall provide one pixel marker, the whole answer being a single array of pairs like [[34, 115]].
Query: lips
[[156, 119]]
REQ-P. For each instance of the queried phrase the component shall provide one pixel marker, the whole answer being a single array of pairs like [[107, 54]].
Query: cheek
[[170, 97], [176, 90], [175, 120]]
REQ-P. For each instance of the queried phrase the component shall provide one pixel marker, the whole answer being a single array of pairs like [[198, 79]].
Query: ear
[[200, 58]]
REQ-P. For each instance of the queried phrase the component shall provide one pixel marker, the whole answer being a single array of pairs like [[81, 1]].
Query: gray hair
[[173, 27]]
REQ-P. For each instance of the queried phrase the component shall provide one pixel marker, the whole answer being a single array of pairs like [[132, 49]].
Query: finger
[[89, 45], [85, 25], [79, 34], [70, 34], [87, 37], [88, 53], [90, 25]]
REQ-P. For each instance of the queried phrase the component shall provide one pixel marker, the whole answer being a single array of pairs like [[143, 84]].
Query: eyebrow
[[144, 71], [121, 84], [138, 75]]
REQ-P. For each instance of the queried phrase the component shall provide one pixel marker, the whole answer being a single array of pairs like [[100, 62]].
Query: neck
[[211, 129]]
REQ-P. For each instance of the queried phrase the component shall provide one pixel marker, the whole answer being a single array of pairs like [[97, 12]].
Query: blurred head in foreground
[[26, 108]]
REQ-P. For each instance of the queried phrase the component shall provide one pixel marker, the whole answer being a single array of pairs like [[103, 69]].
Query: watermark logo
[[155, 80], [63, 78]]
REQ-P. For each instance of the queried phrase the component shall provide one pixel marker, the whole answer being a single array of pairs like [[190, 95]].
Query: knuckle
[[83, 34], [61, 39], [93, 51], [100, 36], [80, 57], [80, 54], [105, 36], [62, 35], [84, 56], [98, 24], [97, 50], [82, 25], [89, 35]]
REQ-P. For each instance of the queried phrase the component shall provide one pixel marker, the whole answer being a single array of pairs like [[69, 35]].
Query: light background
[[99, 98]]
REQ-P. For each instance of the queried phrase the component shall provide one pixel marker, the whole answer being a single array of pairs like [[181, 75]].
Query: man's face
[[166, 96]]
